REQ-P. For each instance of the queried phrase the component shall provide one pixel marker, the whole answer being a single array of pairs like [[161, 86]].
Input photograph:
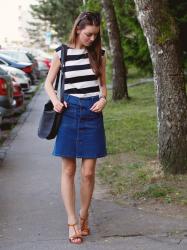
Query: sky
[[9, 17]]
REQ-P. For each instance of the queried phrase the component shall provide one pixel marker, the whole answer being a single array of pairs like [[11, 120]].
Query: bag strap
[[60, 78]]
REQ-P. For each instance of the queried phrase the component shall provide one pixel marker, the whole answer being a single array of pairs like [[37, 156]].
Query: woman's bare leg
[[87, 185], [68, 192]]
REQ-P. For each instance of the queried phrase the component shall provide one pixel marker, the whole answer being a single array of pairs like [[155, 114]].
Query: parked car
[[18, 76], [43, 68], [35, 64], [25, 66], [40, 55], [18, 95], [7, 103], [22, 55]]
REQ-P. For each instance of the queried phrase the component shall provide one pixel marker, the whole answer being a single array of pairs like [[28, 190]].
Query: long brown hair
[[94, 51]]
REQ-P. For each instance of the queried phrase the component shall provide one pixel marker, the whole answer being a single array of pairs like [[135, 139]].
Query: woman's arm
[[55, 65], [99, 105], [103, 77]]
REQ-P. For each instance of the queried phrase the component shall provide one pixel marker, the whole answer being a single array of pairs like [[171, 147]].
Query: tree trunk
[[119, 76], [162, 37]]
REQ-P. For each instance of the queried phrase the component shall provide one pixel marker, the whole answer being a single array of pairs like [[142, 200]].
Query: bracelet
[[103, 97]]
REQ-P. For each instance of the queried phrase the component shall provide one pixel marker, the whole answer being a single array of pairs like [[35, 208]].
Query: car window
[[17, 55], [6, 59], [2, 62]]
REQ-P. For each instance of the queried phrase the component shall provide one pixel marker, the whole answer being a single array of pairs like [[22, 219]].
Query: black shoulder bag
[[50, 119]]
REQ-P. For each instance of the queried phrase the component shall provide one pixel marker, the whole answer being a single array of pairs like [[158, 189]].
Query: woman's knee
[[88, 176], [88, 170], [69, 167]]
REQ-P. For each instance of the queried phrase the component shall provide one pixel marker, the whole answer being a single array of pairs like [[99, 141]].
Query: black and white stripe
[[80, 79]]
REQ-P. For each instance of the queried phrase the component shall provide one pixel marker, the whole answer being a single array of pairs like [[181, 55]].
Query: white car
[[18, 76]]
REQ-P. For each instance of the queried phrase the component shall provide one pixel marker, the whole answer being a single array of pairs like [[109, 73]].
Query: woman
[[81, 133]]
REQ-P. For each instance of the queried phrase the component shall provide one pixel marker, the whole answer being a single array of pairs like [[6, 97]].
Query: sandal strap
[[76, 235], [84, 224], [84, 219], [72, 225]]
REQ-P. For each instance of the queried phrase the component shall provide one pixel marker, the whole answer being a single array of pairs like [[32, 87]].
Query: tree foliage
[[61, 14], [36, 33], [134, 44]]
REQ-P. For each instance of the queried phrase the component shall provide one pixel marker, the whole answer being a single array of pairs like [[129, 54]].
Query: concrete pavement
[[32, 214]]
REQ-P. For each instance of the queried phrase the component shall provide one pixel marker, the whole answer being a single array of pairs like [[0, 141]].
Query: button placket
[[78, 141]]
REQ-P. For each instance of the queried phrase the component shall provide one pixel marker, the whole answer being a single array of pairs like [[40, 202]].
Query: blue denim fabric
[[81, 133]]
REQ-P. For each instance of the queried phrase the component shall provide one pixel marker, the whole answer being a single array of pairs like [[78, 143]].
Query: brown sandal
[[75, 236], [85, 230]]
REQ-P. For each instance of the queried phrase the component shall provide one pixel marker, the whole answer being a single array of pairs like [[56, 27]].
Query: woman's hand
[[58, 106], [99, 105]]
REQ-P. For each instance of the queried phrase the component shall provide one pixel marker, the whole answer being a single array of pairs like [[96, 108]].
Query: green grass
[[133, 73], [143, 181], [154, 191], [131, 125], [131, 167]]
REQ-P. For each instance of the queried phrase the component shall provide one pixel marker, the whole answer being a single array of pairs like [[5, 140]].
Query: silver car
[[18, 76], [7, 103], [22, 56]]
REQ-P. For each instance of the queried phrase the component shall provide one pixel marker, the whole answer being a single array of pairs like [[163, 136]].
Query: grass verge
[[131, 168]]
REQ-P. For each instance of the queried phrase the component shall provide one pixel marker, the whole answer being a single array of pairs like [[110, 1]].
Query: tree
[[162, 36], [136, 53], [36, 33], [119, 77], [60, 14]]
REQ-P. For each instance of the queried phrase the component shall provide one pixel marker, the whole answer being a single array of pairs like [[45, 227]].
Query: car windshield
[[17, 55], [6, 57]]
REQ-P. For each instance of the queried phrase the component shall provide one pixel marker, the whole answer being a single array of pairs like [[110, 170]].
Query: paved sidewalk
[[32, 215]]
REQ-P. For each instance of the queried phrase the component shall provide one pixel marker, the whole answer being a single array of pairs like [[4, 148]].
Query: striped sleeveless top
[[80, 80]]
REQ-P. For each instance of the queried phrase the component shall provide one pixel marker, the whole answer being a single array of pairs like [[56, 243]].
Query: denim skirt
[[81, 133]]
